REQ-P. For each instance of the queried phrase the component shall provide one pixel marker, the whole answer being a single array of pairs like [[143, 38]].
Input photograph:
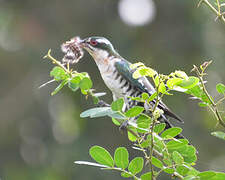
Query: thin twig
[[218, 6], [151, 130], [46, 83], [218, 12], [220, 101], [56, 62], [213, 104]]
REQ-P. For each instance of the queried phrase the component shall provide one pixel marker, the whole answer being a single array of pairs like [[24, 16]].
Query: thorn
[[194, 68], [46, 83], [217, 17], [49, 51], [147, 162], [48, 54]]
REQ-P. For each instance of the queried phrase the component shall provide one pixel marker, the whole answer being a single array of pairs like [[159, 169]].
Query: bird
[[118, 77]]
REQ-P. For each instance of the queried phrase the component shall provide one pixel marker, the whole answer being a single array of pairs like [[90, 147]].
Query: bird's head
[[99, 47]]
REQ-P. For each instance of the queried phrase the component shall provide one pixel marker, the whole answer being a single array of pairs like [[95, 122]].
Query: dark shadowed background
[[42, 135]]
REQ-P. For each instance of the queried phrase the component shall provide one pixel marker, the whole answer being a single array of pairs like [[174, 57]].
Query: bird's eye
[[93, 42]]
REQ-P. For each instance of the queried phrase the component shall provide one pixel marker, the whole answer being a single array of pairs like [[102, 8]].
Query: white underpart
[[106, 71]]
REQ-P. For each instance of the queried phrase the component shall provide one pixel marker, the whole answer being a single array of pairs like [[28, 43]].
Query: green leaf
[[136, 165], [159, 128], [73, 86], [181, 74], [167, 159], [144, 96], [159, 146], [220, 88], [195, 91], [218, 176], [58, 73], [162, 88], [117, 123], [143, 121], [59, 87], [117, 105], [96, 112], [177, 158], [182, 170], [152, 97], [76, 79], [190, 177], [156, 81], [190, 83], [146, 71], [173, 82], [171, 132], [206, 175], [205, 98], [157, 163], [135, 65], [169, 170], [135, 98], [219, 134], [134, 111], [125, 174], [146, 176], [146, 142], [84, 92], [136, 74], [85, 83], [202, 104], [121, 157], [101, 155], [188, 152], [173, 145], [193, 171], [90, 164], [132, 137]]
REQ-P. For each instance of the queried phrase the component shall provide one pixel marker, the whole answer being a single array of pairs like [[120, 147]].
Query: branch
[[217, 11], [54, 61], [213, 104]]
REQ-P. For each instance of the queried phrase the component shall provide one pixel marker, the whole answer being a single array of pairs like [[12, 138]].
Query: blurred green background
[[42, 135]]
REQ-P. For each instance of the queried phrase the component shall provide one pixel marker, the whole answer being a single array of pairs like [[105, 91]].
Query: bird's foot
[[124, 125], [102, 103]]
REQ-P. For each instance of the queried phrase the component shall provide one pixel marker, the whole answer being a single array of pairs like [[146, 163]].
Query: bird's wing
[[143, 84]]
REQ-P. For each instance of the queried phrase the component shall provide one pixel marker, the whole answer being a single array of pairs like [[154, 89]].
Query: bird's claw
[[124, 125], [102, 103]]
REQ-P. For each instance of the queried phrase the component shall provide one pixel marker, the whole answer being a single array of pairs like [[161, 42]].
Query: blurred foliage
[[41, 135]]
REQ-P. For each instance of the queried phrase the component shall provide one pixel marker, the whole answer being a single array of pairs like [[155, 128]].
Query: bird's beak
[[86, 45], [83, 43]]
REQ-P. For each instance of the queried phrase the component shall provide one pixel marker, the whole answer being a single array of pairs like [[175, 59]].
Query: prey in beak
[[73, 50]]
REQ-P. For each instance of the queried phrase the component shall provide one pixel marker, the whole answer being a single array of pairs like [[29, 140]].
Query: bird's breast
[[112, 83], [118, 84]]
